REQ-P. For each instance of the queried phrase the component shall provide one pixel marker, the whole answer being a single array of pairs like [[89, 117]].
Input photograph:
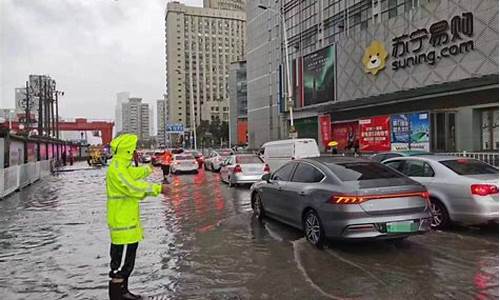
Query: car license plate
[[404, 226]]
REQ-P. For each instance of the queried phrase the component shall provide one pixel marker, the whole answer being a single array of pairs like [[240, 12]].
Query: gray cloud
[[93, 48]]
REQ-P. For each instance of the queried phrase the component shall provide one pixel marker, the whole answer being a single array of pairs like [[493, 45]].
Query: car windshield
[[248, 160], [183, 157], [469, 167], [358, 171]]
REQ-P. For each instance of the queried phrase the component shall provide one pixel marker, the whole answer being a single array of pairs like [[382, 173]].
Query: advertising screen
[[319, 76]]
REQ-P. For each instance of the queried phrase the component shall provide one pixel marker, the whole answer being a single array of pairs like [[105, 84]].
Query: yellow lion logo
[[374, 57]]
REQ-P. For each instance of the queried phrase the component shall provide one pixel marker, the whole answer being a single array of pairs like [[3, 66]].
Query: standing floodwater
[[201, 242]]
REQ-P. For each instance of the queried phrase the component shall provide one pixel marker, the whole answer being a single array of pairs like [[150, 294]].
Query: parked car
[[157, 158], [183, 163], [343, 198], [198, 156], [386, 155], [461, 190], [277, 153], [243, 168], [215, 159]]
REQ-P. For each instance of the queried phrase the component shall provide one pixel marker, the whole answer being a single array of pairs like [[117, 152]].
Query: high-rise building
[[238, 5], [135, 118], [201, 43], [121, 97], [265, 122], [161, 116], [238, 106], [151, 121]]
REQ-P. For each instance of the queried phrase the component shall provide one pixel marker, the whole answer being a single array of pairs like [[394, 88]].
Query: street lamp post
[[287, 67]]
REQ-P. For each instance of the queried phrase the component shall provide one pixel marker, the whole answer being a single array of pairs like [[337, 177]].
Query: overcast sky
[[92, 48]]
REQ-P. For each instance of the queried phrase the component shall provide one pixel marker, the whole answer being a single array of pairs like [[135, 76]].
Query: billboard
[[319, 75], [400, 132], [420, 130], [375, 134], [346, 134], [410, 131]]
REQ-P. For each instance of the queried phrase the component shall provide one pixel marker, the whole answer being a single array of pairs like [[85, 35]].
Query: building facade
[[201, 43], [386, 72], [238, 105], [237, 5], [135, 118], [161, 118], [121, 97], [264, 56]]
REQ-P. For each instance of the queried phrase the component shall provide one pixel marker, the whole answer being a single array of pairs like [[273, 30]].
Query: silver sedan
[[345, 198], [243, 168], [462, 190]]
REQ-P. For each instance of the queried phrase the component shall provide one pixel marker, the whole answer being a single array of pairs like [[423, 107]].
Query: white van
[[277, 153]]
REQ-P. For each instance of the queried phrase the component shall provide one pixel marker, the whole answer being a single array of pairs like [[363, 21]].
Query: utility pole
[[28, 113], [40, 113]]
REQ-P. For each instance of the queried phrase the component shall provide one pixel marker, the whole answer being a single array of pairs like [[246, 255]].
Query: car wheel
[[258, 208], [440, 217], [313, 229]]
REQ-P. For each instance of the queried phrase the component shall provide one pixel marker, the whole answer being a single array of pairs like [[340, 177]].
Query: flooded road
[[201, 242]]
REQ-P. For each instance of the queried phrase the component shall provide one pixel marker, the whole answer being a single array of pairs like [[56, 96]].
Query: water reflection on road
[[201, 242]]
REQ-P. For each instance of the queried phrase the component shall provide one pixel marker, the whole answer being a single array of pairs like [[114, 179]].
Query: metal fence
[[488, 157]]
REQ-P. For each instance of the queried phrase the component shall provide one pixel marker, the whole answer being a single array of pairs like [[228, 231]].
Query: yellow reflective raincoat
[[125, 189]]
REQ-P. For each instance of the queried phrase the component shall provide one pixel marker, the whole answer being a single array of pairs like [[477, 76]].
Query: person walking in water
[[165, 164], [125, 189]]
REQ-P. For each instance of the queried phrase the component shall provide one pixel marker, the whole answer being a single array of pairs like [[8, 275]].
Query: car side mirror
[[266, 177]]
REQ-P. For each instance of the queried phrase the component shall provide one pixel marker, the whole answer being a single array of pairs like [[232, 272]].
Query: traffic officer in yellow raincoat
[[125, 189]]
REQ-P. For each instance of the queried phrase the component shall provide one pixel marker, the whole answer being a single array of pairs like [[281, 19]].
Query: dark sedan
[[345, 198]]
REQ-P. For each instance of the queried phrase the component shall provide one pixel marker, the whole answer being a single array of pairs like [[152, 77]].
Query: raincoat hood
[[123, 146]]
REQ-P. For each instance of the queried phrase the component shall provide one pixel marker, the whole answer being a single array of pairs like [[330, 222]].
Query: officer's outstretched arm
[[139, 172], [138, 188]]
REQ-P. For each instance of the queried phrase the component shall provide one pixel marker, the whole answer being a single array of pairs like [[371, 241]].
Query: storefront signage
[[375, 134], [325, 125], [410, 131], [444, 39], [375, 57]]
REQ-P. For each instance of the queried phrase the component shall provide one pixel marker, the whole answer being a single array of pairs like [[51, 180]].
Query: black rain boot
[[116, 290], [127, 295]]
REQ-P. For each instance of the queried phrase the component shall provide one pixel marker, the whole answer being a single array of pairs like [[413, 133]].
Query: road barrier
[[17, 177], [24, 160]]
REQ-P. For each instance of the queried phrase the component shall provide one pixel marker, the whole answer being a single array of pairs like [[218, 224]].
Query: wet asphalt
[[202, 242]]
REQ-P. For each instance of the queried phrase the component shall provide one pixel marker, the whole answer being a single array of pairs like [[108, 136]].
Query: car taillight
[[345, 199], [483, 189], [353, 199], [267, 169], [237, 169]]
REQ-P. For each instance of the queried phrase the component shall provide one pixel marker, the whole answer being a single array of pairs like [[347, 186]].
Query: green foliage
[[209, 134]]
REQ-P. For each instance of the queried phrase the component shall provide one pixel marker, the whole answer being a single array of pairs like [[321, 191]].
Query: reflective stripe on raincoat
[[125, 189]]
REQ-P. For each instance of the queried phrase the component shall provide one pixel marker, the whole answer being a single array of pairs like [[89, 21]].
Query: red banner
[[346, 135], [375, 134], [325, 125]]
